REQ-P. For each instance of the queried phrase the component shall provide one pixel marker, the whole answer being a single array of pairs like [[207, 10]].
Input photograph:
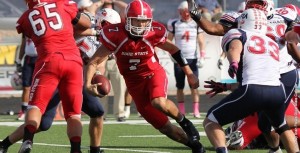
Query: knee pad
[[282, 129]]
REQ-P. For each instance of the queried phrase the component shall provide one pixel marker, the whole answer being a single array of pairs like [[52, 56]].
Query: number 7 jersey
[[136, 57], [259, 61], [50, 28]]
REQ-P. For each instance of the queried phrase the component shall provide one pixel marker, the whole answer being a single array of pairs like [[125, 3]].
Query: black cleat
[[190, 130], [3, 150], [198, 148]]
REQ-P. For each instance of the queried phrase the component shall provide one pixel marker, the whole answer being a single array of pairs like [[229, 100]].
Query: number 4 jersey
[[259, 58], [49, 26]]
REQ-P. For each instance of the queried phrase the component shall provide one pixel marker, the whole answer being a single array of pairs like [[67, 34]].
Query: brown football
[[104, 88]]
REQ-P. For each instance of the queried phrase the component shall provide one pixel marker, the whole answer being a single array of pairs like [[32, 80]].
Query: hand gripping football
[[104, 88]]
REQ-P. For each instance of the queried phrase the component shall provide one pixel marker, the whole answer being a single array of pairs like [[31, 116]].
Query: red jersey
[[49, 26], [135, 57]]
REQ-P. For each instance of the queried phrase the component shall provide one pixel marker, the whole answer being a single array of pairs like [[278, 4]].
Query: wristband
[[202, 53], [179, 58]]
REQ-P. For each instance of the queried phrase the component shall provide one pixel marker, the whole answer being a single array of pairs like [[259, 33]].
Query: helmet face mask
[[138, 18], [264, 5]]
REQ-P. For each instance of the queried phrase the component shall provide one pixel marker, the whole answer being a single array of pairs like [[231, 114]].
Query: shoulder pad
[[229, 36], [229, 19], [287, 13]]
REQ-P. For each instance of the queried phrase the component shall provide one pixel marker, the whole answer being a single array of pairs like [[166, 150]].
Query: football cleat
[[198, 148], [2, 149], [21, 116], [26, 147], [190, 130], [235, 140]]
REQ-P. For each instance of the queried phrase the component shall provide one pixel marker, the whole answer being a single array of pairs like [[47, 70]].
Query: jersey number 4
[[39, 25], [261, 47]]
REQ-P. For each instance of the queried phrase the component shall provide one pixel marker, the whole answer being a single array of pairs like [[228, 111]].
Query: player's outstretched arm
[[81, 22], [176, 54], [208, 26], [292, 41], [99, 57]]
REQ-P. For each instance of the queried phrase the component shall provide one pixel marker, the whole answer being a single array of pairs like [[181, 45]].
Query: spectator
[[211, 9], [187, 37], [27, 49], [58, 66], [145, 78]]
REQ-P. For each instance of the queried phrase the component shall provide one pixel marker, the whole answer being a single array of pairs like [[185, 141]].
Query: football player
[[187, 36], [91, 105], [145, 78], [48, 23], [250, 50], [280, 22]]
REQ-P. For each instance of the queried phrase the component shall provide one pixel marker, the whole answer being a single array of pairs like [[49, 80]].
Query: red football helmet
[[140, 11], [32, 3], [265, 5]]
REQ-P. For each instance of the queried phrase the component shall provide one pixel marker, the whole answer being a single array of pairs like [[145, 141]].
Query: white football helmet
[[265, 5], [183, 11], [16, 81], [253, 20], [140, 10], [107, 15], [241, 7]]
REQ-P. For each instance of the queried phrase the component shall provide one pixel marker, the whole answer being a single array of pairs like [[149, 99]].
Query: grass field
[[134, 135]]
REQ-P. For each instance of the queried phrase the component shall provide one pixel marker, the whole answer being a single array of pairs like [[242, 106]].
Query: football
[[104, 88]]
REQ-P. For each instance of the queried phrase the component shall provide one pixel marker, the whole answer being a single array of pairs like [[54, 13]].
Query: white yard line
[[119, 149], [17, 123]]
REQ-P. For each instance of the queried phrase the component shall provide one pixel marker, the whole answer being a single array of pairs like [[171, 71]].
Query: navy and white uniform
[[260, 87], [186, 39], [29, 62], [278, 24]]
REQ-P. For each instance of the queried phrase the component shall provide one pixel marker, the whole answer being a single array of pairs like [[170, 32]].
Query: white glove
[[200, 62]]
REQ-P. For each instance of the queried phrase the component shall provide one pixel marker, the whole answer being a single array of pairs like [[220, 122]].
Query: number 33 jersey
[[259, 58], [135, 57], [49, 26]]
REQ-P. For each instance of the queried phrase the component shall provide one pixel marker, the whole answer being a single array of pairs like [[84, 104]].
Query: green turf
[[117, 138]]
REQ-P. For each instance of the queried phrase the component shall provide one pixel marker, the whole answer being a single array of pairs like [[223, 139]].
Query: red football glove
[[216, 87], [232, 70]]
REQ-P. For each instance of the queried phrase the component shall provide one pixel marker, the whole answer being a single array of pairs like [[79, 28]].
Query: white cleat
[[26, 147]]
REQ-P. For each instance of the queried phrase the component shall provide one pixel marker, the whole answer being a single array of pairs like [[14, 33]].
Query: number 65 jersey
[[259, 61], [49, 26]]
